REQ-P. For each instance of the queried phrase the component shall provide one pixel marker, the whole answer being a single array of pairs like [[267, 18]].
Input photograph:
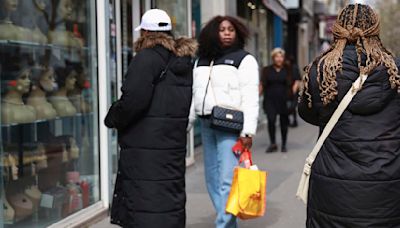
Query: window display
[[49, 162], [177, 9]]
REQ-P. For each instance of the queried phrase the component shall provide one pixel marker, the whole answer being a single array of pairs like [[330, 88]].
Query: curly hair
[[359, 25], [209, 42]]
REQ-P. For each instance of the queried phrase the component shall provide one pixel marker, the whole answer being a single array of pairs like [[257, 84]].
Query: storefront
[[265, 19], [61, 64]]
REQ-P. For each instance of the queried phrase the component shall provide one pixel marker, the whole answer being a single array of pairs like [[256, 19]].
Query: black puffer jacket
[[151, 122], [355, 180]]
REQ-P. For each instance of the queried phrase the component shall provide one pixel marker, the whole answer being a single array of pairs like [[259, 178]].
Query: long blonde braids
[[359, 25]]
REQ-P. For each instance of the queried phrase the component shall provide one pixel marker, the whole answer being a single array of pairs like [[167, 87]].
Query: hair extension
[[359, 25]]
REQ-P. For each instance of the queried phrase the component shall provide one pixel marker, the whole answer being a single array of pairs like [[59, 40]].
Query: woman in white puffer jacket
[[234, 83]]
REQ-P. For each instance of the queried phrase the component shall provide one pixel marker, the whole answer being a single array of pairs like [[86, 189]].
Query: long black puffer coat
[[151, 118], [355, 180]]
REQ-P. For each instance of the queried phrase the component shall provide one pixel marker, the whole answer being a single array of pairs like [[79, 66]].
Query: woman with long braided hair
[[355, 180]]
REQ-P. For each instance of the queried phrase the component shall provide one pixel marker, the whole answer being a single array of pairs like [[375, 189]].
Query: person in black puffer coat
[[151, 118], [355, 179]]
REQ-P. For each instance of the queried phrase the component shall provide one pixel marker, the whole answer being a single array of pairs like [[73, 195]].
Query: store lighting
[[251, 5]]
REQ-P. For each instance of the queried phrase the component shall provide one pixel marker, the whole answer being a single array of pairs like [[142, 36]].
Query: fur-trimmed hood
[[180, 47]]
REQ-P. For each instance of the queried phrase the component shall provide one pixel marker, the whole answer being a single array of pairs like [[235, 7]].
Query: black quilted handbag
[[226, 119]]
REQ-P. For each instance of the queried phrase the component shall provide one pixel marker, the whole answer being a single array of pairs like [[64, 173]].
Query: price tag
[[47, 201]]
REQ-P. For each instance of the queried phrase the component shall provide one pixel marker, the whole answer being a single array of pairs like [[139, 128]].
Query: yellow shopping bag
[[247, 198]]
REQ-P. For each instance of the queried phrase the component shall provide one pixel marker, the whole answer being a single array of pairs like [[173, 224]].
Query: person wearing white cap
[[151, 118], [155, 20]]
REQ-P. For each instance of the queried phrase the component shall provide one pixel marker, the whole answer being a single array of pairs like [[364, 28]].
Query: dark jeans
[[284, 121]]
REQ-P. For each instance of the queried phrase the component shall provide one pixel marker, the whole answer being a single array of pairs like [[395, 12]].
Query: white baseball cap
[[155, 20]]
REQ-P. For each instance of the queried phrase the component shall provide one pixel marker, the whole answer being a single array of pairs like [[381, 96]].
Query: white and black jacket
[[235, 79]]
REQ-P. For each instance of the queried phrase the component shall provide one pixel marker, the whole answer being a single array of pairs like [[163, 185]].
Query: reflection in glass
[[49, 162]]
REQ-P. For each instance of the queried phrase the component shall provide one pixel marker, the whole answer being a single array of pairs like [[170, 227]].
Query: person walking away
[[355, 179], [277, 86], [225, 75], [294, 95], [151, 118]]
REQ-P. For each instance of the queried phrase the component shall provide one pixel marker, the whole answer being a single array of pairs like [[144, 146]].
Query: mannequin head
[[40, 4], [7, 7], [66, 77], [23, 81], [65, 9], [58, 9], [81, 78], [43, 78], [16, 76], [33, 16]]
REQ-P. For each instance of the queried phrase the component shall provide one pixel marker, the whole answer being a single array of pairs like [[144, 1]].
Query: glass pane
[[177, 10], [127, 33], [49, 140]]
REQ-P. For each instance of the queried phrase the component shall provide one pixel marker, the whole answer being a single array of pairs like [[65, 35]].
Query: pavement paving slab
[[284, 169]]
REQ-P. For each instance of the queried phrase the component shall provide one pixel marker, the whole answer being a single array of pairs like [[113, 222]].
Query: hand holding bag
[[224, 118], [302, 191], [247, 198]]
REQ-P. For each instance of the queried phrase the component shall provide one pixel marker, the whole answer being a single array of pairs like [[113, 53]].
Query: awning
[[277, 8]]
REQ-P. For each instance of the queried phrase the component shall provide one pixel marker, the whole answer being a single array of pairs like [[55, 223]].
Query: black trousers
[[294, 111], [284, 122]]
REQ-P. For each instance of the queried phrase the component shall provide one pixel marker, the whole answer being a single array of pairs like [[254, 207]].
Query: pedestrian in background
[[278, 86], [151, 118], [293, 69], [224, 75], [355, 179]]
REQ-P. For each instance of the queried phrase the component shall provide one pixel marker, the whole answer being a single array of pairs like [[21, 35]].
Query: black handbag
[[224, 118]]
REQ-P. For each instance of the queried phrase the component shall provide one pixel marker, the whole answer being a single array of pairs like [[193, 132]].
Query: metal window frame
[[103, 69]]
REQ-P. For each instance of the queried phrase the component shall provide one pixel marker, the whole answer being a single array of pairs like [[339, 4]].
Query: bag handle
[[164, 72], [356, 86], [246, 155], [210, 84]]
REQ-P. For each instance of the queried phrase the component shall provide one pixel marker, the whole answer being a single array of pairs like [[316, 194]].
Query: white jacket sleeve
[[192, 116], [249, 81]]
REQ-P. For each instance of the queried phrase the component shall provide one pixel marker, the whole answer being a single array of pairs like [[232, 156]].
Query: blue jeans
[[219, 163]]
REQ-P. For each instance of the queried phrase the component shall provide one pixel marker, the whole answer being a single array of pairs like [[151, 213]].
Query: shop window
[[49, 142], [177, 10]]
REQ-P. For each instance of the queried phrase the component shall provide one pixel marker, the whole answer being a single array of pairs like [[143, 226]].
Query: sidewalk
[[283, 210]]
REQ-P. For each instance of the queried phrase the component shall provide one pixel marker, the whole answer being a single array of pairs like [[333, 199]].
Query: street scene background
[[62, 64], [283, 209], [304, 30]]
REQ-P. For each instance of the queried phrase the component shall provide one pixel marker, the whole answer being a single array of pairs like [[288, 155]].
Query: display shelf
[[21, 139], [16, 124], [28, 44], [81, 115], [15, 221]]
